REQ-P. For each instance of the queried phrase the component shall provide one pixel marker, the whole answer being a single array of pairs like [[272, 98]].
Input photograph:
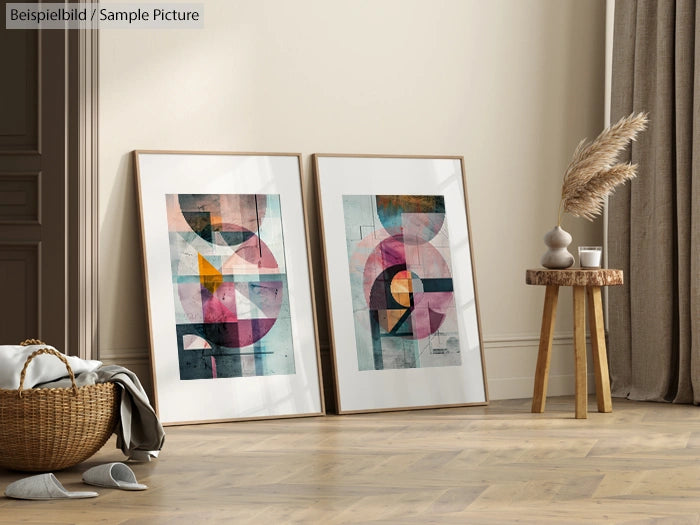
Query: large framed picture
[[229, 286], [404, 316]]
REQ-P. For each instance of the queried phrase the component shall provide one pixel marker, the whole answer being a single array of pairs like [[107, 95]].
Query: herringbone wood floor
[[491, 465]]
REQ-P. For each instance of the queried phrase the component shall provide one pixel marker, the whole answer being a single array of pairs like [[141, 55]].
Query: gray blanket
[[140, 435]]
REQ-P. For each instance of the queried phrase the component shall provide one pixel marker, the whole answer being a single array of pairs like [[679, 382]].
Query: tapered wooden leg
[[600, 357], [549, 314], [580, 352]]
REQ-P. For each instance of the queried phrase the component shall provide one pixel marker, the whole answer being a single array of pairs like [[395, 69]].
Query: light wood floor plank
[[498, 464]]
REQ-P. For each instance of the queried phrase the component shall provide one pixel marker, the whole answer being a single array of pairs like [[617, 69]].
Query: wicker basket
[[47, 429]]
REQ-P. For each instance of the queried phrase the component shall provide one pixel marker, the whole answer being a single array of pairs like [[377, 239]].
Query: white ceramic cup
[[590, 256]]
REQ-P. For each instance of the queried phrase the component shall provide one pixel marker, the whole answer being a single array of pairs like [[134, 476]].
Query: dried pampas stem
[[592, 173]]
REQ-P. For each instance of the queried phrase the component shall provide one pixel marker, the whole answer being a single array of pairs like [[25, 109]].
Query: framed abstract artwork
[[402, 301], [229, 286]]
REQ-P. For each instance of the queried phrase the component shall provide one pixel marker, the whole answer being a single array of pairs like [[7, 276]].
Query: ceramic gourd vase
[[557, 256]]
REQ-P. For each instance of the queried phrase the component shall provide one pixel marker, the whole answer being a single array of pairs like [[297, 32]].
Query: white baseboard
[[511, 360], [510, 365]]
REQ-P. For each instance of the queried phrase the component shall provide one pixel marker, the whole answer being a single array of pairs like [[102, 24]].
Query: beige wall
[[512, 85]]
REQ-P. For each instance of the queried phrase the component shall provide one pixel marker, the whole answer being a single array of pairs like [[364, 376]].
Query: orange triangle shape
[[393, 317], [209, 276]]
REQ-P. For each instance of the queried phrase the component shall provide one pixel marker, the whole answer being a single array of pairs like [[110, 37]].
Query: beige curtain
[[654, 222]]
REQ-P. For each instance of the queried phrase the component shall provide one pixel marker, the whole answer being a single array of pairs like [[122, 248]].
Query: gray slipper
[[112, 475], [42, 486]]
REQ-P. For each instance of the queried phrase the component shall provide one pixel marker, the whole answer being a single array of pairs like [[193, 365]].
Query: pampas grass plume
[[592, 173]]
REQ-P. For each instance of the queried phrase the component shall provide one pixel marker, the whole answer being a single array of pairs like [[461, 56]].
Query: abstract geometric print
[[230, 286], [401, 281]]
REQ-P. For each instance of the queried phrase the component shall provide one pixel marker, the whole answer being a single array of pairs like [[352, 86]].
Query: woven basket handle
[[46, 351], [28, 342]]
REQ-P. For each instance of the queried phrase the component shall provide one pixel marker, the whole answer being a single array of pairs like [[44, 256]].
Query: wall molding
[[505, 340], [498, 341], [495, 342], [126, 354], [82, 204], [519, 351], [89, 175]]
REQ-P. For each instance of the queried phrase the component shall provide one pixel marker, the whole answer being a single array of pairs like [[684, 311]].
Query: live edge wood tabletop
[[585, 283]]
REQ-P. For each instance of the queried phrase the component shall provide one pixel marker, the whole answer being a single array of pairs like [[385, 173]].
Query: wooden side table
[[584, 283]]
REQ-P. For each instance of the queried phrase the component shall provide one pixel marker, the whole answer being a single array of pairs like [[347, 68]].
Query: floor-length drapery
[[654, 222]]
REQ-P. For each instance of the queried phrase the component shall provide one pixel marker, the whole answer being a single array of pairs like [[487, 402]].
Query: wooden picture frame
[[402, 301], [229, 288]]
